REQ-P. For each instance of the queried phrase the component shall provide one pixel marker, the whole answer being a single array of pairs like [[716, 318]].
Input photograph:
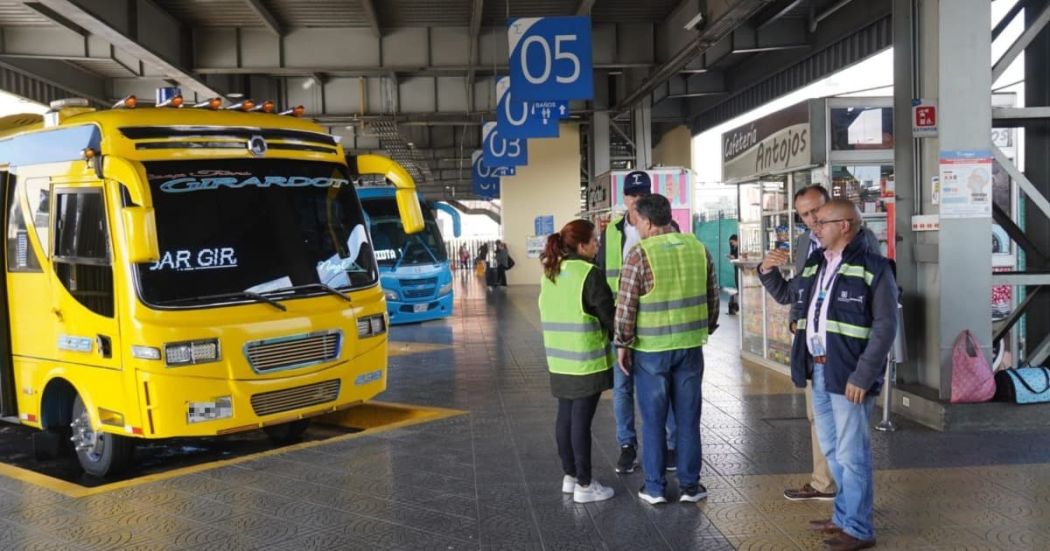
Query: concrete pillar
[[549, 185], [965, 123], [675, 148], [599, 129]]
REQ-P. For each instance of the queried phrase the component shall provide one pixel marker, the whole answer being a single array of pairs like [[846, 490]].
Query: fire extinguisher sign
[[924, 118]]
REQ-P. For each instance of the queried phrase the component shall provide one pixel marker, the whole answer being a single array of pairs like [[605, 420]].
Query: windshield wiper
[[246, 294], [321, 286]]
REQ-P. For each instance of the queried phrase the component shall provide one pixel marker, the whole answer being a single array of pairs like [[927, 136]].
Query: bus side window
[[38, 197], [20, 254], [81, 252]]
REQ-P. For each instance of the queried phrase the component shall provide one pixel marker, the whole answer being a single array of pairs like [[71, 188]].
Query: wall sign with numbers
[[551, 58], [500, 151]]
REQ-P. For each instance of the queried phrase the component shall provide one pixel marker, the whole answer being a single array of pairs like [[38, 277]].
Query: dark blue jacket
[[862, 320]]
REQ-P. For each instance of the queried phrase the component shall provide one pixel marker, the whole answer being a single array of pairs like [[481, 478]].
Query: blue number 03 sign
[[500, 151], [550, 58]]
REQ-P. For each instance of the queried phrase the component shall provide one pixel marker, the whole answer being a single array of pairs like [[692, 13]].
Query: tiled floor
[[489, 479]]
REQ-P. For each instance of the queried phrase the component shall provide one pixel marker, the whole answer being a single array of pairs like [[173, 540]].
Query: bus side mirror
[[140, 229], [408, 207]]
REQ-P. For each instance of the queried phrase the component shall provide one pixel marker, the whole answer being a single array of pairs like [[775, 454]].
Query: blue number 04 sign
[[550, 58]]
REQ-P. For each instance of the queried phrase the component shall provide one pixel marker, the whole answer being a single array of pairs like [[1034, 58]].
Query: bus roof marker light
[[129, 102], [296, 111], [214, 104], [174, 101], [246, 105], [265, 107]]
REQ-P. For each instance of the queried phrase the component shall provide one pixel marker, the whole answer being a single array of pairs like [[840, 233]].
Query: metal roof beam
[[775, 11], [74, 80], [56, 18], [123, 39], [373, 17], [382, 71], [268, 18], [584, 7]]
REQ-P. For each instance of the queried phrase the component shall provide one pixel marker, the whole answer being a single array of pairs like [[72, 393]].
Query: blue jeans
[[623, 411], [844, 432], [669, 381]]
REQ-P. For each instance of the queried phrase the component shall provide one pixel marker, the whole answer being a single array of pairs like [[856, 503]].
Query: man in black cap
[[617, 239]]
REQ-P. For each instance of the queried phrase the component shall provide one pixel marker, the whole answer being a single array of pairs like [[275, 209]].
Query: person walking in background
[[464, 257], [849, 297], [576, 310], [619, 236], [666, 307], [821, 485], [734, 254], [502, 263]]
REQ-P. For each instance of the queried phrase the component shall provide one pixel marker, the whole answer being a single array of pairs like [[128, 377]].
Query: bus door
[[82, 289]]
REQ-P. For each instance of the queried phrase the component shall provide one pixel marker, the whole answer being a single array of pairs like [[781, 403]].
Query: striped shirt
[[636, 279]]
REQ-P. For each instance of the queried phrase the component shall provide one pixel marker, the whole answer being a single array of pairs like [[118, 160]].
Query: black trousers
[[574, 436]]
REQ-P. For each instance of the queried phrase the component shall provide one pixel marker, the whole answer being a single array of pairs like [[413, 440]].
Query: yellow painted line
[[374, 417], [396, 348]]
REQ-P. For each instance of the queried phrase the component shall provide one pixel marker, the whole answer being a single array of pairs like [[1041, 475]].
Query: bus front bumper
[[424, 310], [177, 406]]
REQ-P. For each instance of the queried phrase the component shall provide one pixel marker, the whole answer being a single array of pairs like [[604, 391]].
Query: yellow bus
[[181, 271]]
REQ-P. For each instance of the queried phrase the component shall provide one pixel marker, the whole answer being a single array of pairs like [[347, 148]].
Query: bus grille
[[423, 287], [288, 399], [415, 282], [293, 352]]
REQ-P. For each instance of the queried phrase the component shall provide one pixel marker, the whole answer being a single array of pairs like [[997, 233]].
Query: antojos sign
[[776, 143]]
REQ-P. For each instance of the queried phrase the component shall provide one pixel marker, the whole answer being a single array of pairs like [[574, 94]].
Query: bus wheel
[[99, 453], [287, 433]]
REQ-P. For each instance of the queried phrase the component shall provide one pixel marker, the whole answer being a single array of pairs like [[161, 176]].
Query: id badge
[[816, 346]]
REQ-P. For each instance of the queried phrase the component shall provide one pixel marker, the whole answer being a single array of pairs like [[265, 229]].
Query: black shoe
[[693, 493], [628, 460], [672, 460]]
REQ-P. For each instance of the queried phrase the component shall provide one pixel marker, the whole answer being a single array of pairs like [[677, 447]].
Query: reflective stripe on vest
[[852, 270], [574, 340], [855, 331], [613, 255], [673, 315]]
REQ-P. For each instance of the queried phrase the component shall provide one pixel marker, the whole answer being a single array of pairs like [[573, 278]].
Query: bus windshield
[[237, 228], [393, 246]]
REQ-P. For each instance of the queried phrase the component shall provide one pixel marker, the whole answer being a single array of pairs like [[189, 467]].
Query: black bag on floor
[[1025, 385], [491, 276]]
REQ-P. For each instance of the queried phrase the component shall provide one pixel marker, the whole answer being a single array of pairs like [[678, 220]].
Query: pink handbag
[[972, 378]]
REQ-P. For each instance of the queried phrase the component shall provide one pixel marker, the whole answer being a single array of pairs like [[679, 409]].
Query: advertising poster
[[966, 184], [674, 184]]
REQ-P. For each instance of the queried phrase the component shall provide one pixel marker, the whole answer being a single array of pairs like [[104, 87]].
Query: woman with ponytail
[[577, 311]]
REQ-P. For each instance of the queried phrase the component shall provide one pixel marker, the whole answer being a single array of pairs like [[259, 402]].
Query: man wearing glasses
[[807, 200], [849, 297]]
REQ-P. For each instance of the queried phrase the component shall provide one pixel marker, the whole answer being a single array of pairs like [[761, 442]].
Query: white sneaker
[[651, 500], [568, 484], [594, 492]]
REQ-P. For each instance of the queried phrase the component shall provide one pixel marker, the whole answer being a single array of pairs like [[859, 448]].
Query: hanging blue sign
[[500, 151], [527, 119], [550, 58], [485, 180]]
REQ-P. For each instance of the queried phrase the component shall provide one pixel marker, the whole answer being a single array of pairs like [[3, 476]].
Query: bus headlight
[[445, 289], [370, 326], [178, 354], [391, 295]]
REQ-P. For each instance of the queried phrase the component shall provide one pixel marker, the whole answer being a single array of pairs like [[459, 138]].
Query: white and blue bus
[[415, 269]]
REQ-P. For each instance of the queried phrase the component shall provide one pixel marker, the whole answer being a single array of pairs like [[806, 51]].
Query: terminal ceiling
[[414, 78]]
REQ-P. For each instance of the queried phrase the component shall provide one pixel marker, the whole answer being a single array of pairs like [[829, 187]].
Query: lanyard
[[823, 292]]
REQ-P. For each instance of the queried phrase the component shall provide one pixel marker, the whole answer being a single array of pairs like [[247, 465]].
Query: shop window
[[81, 252], [860, 128], [20, 254]]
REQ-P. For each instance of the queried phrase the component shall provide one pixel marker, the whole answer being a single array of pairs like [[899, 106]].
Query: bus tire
[[100, 453], [287, 433]]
